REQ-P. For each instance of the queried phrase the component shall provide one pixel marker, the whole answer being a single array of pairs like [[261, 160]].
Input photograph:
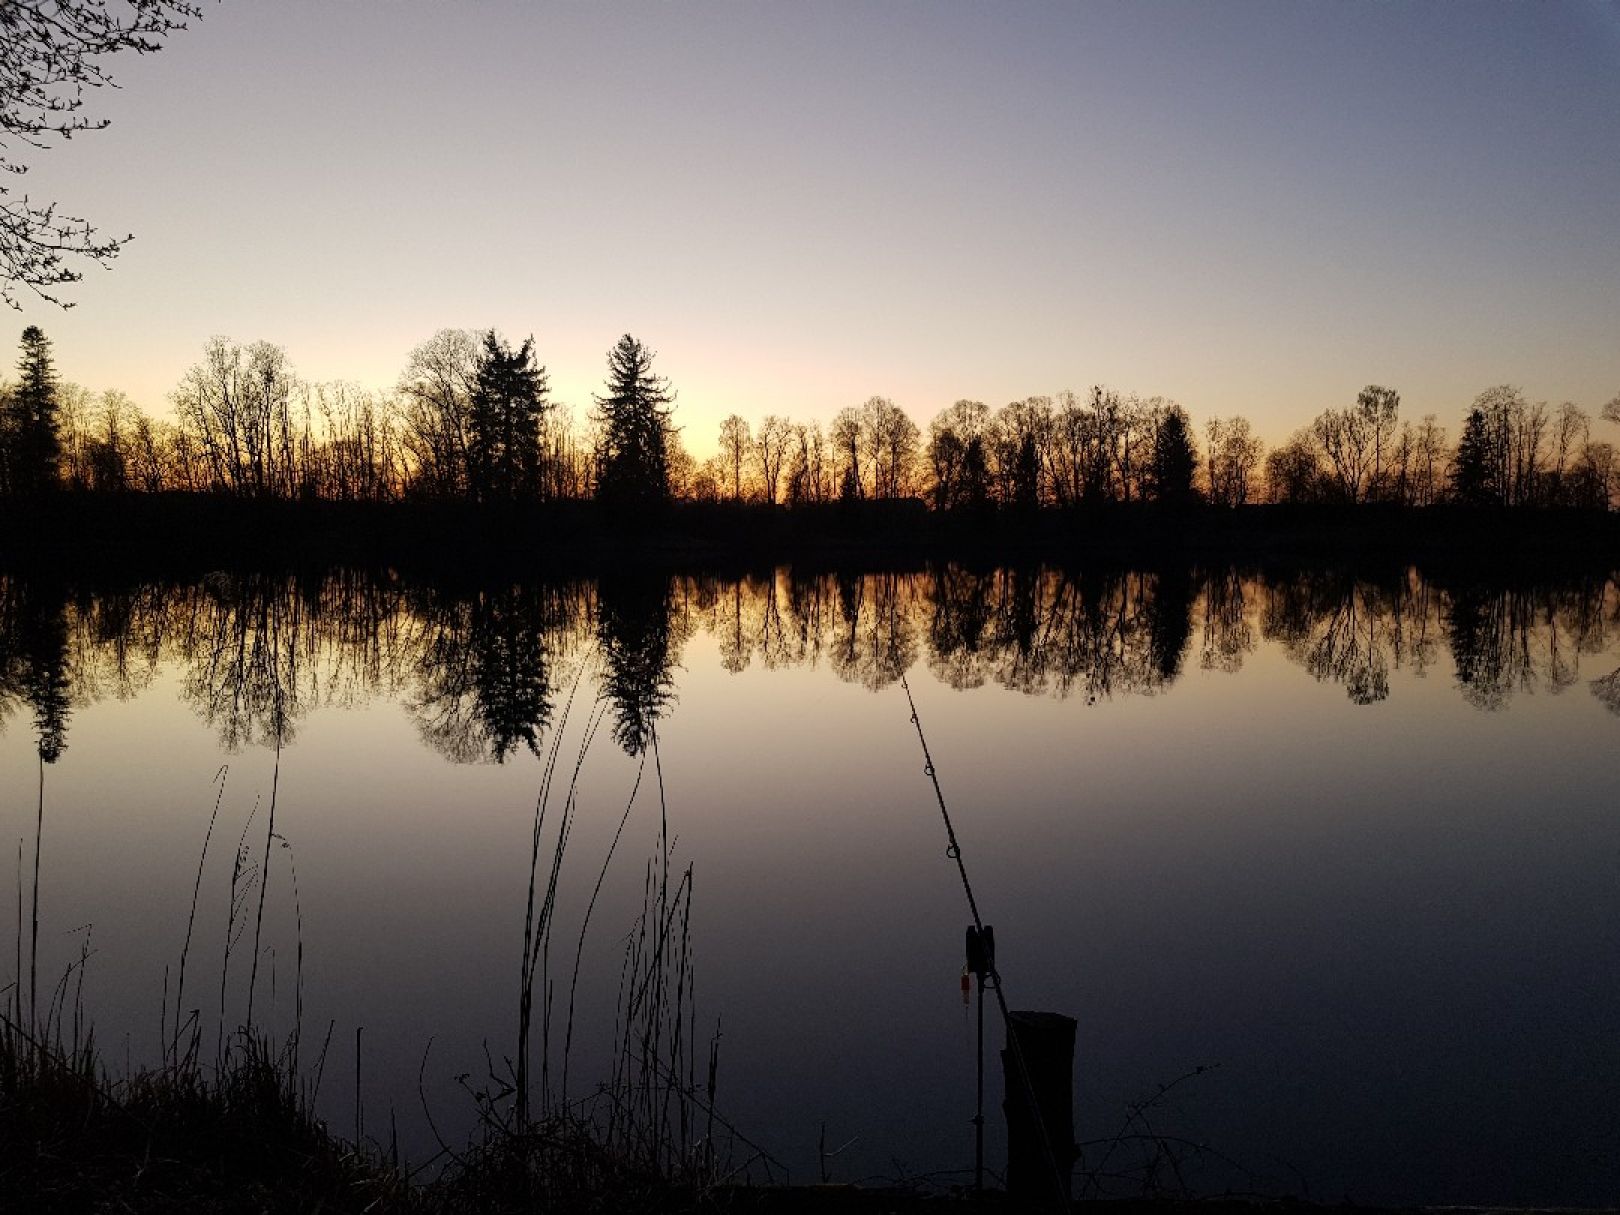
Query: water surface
[[1347, 840]]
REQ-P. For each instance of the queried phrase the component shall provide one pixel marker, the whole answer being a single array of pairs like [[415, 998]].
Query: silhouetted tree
[[770, 449], [1508, 443], [30, 428], [808, 466], [51, 51], [1020, 438], [504, 417], [1471, 467], [735, 442], [890, 440], [1025, 489], [1234, 455], [236, 407], [846, 442], [1174, 460], [437, 387], [951, 435], [634, 415], [1355, 442]]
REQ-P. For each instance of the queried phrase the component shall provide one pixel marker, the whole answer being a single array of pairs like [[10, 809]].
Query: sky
[[1251, 208]]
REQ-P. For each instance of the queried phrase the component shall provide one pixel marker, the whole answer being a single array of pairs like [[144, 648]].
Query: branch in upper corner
[[51, 51]]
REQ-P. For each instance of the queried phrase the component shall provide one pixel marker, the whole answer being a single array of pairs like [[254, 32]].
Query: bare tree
[[1294, 470], [1355, 442], [1570, 430], [955, 451], [891, 441], [846, 443], [735, 442], [1233, 458], [51, 52], [436, 394], [235, 405], [770, 448]]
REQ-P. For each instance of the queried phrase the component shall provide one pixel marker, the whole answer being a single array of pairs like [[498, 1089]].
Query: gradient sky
[[1252, 208]]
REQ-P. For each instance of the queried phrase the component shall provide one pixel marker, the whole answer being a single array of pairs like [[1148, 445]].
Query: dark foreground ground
[[190, 1139]]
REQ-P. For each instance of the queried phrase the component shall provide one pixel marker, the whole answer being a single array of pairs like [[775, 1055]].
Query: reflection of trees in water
[[874, 628], [1524, 638], [251, 642], [1228, 630], [485, 667], [34, 666], [1350, 630], [115, 643], [637, 630], [478, 670], [1047, 632]]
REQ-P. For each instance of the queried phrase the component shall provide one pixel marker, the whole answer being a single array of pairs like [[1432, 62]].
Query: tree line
[[472, 418]]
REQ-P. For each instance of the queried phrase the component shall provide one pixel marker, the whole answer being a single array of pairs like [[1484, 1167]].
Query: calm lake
[[1349, 841]]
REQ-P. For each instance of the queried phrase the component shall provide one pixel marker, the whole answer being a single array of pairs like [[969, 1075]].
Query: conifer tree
[[1174, 458], [505, 412], [1471, 470], [636, 430], [32, 438]]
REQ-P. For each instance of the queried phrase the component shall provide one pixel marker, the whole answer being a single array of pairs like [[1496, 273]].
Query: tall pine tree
[[636, 429], [32, 429], [505, 413], [1174, 457], [1471, 479]]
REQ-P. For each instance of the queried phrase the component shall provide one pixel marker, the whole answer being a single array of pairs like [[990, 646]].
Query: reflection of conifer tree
[[485, 666], [1169, 609], [510, 670], [45, 679], [1033, 612], [1019, 613], [34, 661], [637, 643], [45, 686]]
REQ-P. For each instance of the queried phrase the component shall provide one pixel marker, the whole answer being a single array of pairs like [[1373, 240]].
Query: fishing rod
[[987, 950]]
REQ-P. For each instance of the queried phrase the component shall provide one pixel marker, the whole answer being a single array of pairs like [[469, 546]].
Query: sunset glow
[[1250, 208]]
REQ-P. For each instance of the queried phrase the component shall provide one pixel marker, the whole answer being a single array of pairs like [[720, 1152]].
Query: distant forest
[[472, 419]]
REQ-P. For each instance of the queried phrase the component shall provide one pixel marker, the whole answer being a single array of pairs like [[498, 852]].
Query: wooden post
[[1039, 1166]]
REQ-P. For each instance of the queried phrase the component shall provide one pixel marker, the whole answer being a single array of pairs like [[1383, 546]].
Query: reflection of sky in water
[[1390, 924]]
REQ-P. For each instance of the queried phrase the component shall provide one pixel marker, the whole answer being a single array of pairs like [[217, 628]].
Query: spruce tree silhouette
[[636, 429], [30, 431]]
